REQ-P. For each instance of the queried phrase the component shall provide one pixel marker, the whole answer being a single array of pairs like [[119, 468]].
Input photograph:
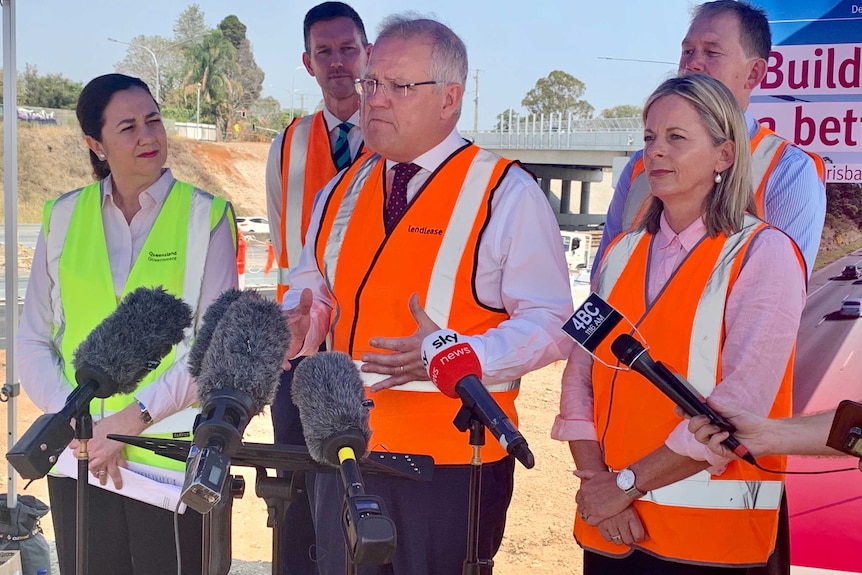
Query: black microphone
[[630, 351], [211, 318], [328, 391], [238, 376], [454, 368], [114, 358]]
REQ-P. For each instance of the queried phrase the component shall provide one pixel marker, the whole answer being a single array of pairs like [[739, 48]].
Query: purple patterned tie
[[397, 202]]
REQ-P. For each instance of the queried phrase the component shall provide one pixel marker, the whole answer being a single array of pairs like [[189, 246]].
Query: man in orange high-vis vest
[[310, 152], [731, 42], [472, 235]]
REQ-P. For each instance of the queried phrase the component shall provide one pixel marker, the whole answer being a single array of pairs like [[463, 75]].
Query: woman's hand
[[105, 455]]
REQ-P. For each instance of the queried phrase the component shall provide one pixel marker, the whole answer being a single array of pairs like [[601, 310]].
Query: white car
[[851, 307], [253, 225]]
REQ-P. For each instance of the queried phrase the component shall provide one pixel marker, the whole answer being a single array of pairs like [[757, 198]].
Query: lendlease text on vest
[[424, 230], [162, 257]]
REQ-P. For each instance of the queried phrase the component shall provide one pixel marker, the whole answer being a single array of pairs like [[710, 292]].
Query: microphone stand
[[83, 433], [465, 420]]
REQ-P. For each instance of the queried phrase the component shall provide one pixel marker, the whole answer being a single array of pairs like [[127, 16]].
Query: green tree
[[49, 91], [558, 93], [190, 24], [233, 30], [504, 117], [622, 111]]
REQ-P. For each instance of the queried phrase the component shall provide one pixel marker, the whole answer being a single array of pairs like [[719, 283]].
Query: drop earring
[[717, 178]]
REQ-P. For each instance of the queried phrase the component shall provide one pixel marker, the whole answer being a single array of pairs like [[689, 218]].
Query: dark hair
[[331, 11], [90, 110], [755, 36]]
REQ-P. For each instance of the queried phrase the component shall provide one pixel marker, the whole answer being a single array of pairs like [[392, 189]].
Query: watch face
[[626, 479]]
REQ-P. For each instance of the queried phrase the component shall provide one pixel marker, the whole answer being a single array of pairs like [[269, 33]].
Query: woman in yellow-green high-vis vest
[[136, 226]]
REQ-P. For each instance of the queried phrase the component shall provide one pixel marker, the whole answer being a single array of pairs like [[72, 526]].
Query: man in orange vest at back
[[310, 152], [473, 236], [731, 41]]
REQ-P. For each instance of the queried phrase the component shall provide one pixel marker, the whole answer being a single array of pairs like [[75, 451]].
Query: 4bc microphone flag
[[594, 325]]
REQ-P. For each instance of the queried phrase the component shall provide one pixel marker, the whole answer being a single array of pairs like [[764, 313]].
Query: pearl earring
[[102, 157], [717, 178]]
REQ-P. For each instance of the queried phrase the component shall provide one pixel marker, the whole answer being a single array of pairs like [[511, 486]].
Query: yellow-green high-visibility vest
[[173, 256]]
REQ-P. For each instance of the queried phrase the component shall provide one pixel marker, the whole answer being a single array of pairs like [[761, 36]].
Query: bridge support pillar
[[545, 184], [566, 197], [585, 198]]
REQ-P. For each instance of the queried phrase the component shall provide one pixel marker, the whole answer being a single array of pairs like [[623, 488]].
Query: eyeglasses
[[368, 87]]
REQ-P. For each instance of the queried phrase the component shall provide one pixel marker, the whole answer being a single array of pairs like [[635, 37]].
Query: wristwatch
[[145, 416], [626, 482]]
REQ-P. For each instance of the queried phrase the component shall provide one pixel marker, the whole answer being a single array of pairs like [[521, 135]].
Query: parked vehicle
[[576, 246], [850, 272], [851, 307], [256, 226]]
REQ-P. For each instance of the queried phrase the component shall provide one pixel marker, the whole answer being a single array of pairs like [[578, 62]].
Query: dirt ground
[[538, 535]]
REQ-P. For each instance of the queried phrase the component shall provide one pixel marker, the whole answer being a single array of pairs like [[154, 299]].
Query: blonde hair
[[725, 205]]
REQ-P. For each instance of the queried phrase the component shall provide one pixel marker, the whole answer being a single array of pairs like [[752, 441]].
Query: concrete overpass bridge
[[568, 150]]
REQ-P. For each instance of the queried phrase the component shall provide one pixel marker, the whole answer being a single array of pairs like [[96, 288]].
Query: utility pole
[[302, 102], [198, 117], [476, 104]]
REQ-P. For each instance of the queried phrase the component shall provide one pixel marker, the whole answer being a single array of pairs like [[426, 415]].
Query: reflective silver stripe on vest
[[342, 217], [612, 267], [283, 274], [705, 343], [638, 195], [369, 379], [296, 189], [761, 158], [197, 247], [702, 491], [441, 289]]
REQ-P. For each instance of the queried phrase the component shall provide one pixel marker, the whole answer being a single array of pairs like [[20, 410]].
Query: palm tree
[[213, 64]]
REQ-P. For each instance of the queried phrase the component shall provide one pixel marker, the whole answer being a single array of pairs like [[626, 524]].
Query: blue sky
[[511, 43]]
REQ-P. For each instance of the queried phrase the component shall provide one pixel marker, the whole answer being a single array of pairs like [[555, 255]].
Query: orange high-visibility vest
[[766, 149], [730, 519], [431, 251], [306, 167]]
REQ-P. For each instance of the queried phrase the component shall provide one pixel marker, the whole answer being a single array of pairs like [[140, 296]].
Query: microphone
[[328, 391], [629, 351], [238, 376], [454, 368], [210, 320], [114, 358]]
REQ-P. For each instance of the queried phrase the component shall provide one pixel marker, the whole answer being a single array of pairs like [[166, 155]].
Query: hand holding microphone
[[454, 368], [630, 352]]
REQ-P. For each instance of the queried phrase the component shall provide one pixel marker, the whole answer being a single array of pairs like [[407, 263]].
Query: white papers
[[153, 485]]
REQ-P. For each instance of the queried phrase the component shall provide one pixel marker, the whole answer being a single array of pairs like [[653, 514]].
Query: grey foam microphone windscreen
[[211, 318], [131, 341], [246, 351], [328, 391]]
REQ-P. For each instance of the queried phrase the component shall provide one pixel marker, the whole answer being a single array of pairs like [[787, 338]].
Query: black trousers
[[430, 518], [639, 563], [297, 542], [123, 535]]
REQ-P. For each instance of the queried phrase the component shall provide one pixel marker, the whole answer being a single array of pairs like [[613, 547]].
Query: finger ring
[[616, 537], [402, 369], [100, 472]]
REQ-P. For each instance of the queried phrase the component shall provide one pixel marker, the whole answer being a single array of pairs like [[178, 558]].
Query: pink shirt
[[761, 317]]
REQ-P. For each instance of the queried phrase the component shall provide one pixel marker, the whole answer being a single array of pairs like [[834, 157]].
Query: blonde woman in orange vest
[[691, 277]]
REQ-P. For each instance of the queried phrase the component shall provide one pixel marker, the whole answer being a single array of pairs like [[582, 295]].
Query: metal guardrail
[[556, 132]]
